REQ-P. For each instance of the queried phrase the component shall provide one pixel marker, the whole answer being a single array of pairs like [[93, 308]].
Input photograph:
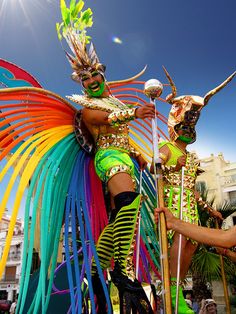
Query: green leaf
[[86, 15], [63, 10], [58, 28], [72, 5], [79, 6]]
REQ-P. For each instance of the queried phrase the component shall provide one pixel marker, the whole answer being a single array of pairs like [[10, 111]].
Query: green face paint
[[185, 139], [97, 93]]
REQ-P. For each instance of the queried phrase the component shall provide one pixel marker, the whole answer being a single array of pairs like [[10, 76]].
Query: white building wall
[[11, 285]]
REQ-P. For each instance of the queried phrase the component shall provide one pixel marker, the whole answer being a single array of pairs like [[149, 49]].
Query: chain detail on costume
[[121, 117]]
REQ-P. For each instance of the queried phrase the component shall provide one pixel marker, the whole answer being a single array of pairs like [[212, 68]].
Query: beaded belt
[[113, 140]]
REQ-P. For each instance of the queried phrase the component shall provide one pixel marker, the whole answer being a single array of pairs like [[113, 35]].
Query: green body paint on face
[[185, 139], [98, 92]]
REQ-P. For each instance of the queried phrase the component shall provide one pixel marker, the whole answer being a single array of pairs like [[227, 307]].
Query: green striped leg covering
[[124, 231], [104, 248]]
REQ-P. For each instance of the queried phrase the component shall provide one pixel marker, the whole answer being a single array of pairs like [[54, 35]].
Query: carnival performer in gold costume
[[103, 130], [183, 117]]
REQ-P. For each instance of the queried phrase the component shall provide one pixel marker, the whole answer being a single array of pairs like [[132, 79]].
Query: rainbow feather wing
[[38, 139]]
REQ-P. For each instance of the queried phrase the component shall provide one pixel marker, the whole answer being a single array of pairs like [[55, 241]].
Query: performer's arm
[[216, 237], [95, 117], [98, 117], [205, 206], [226, 252]]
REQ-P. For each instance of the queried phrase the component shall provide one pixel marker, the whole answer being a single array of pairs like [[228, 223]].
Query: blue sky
[[195, 40]]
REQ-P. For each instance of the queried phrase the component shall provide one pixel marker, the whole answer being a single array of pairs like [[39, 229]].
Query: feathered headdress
[[74, 29]]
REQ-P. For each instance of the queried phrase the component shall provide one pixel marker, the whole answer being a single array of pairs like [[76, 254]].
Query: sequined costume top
[[172, 185], [110, 142], [106, 136]]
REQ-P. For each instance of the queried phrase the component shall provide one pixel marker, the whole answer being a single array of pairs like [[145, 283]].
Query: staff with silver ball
[[153, 89]]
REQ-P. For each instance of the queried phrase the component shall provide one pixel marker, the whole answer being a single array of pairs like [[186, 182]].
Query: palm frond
[[208, 265]]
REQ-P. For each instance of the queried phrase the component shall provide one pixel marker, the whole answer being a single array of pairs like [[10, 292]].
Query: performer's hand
[[216, 214], [142, 162], [170, 219], [181, 161], [147, 111]]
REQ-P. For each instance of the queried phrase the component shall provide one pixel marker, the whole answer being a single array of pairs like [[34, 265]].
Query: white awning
[[230, 189]]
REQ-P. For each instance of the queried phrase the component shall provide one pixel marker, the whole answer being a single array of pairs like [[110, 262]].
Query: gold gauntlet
[[120, 117]]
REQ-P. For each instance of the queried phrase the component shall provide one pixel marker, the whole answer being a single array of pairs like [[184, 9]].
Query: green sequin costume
[[172, 185]]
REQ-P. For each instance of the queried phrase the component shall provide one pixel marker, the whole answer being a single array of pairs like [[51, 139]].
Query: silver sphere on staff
[[153, 88]]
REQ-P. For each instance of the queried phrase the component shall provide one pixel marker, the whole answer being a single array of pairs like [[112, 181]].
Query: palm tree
[[206, 264]]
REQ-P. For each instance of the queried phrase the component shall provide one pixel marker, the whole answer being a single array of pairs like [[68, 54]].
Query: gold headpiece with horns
[[188, 106]]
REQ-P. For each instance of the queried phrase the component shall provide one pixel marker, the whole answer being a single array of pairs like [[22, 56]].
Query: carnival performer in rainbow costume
[[183, 116], [61, 155], [106, 118]]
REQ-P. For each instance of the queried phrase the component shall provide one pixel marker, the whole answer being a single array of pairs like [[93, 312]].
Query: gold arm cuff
[[121, 117]]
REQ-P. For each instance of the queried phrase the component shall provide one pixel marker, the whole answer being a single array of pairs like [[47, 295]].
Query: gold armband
[[120, 117]]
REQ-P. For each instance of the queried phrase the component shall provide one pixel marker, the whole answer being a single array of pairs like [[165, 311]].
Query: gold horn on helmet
[[218, 88], [128, 79], [170, 97]]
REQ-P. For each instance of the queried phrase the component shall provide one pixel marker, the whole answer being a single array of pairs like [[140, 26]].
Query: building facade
[[9, 283], [219, 179]]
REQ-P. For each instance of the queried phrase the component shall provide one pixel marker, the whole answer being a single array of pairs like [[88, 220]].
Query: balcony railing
[[10, 279]]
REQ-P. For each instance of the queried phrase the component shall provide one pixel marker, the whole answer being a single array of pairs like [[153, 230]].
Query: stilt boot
[[124, 233], [105, 252], [182, 305]]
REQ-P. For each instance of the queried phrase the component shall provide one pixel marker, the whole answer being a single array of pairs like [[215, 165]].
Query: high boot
[[124, 234], [105, 252], [182, 305]]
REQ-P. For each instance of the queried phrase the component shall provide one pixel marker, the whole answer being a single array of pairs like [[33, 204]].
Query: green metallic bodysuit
[[172, 185]]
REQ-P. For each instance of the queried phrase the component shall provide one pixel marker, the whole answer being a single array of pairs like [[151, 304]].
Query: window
[[232, 196], [10, 273]]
